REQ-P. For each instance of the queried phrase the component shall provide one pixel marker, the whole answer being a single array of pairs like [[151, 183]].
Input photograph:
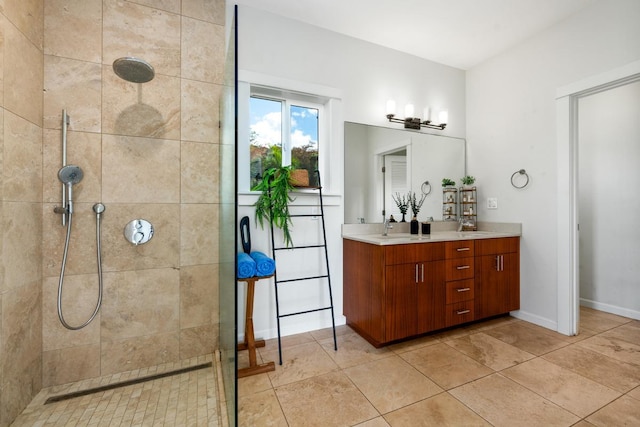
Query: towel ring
[[521, 172], [426, 188]]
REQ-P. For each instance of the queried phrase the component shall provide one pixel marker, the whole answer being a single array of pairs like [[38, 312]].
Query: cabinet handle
[[463, 312], [463, 289], [416, 273], [463, 249], [501, 262], [498, 263], [463, 267], [422, 273]]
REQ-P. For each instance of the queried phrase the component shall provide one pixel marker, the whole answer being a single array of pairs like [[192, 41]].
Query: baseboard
[[294, 328], [536, 320], [609, 308]]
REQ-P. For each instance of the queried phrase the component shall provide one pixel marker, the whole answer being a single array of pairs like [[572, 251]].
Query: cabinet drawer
[[460, 290], [459, 268], [417, 252], [497, 246], [458, 313], [459, 249]]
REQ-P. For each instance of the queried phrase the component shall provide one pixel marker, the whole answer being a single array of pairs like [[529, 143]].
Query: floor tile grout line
[[534, 356]]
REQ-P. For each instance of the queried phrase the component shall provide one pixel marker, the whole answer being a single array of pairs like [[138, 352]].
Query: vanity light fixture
[[411, 122]]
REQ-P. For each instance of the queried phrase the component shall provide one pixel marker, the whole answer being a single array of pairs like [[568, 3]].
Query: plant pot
[[299, 178]]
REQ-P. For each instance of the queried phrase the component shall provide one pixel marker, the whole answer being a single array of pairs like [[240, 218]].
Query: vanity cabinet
[[393, 292], [460, 286], [497, 276]]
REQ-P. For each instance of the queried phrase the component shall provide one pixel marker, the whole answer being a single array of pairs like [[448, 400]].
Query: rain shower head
[[70, 174], [133, 70]]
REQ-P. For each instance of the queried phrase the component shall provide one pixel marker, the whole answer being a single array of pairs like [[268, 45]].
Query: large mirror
[[412, 162]]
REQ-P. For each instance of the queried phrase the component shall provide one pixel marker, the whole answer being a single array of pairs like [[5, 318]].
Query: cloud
[[299, 138], [268, 130]]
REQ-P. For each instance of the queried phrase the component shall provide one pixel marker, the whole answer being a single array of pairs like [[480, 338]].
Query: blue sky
[[266, 122]]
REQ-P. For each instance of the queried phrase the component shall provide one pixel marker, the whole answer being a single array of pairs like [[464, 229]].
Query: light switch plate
[[492, 203]]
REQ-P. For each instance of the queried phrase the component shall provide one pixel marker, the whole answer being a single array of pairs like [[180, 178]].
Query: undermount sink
[[396, 236], [473, 233]]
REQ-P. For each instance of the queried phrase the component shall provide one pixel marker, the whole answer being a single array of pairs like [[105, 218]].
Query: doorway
[[396, 181], [608, 200], [567, 191]]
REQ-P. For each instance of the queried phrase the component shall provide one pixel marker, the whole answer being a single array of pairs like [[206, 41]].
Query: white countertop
[[372, 233]]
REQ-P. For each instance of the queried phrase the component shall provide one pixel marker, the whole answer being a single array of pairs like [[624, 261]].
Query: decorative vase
[[414, 225], [403, 220]]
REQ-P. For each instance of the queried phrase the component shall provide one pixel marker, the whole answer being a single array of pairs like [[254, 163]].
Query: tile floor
[[188, 399], [502, 372]]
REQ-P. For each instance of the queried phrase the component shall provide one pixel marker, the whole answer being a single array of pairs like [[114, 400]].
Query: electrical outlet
[[492, 203]]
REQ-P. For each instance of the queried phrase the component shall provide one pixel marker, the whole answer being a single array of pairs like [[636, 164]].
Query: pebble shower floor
[[187, 399]]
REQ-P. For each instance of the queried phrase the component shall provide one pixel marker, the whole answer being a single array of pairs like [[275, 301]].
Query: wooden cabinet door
[[415, 299], [497, 285], [431, 297], [401, 290]]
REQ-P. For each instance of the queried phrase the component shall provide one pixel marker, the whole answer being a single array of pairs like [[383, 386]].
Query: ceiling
[[459, 33]]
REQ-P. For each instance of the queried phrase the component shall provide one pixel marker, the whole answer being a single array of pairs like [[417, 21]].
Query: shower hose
[[98, 208]]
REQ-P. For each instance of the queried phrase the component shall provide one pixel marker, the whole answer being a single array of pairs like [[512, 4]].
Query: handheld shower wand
[[70, 175]]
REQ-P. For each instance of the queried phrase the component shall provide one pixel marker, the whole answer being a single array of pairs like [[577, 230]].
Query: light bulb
[[425, 114], [391, 107], [444, 117], [408, 111]]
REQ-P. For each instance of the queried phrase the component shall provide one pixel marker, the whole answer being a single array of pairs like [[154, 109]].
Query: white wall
[[511, 125], [609, 150], [366, 75]]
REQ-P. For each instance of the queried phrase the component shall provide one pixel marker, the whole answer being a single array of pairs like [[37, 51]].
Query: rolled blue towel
[[265, 266], [246, 266]]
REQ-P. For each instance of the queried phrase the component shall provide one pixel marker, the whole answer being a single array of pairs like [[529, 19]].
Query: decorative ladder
[[326, 276]]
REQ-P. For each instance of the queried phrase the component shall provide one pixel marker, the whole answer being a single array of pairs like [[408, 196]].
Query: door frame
[[567, 97], [378, 161]]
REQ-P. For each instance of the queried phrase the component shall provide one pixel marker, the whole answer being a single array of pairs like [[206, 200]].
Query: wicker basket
[[299, 178]]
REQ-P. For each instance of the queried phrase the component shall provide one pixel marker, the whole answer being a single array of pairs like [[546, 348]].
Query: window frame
[[285, 113], [330, 125]]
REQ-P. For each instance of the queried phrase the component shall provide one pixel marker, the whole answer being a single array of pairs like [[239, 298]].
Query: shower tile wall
[[21, 74], [21, 111], [148, 151]]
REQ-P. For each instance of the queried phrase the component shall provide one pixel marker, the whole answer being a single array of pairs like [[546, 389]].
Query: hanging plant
[[273, 203]]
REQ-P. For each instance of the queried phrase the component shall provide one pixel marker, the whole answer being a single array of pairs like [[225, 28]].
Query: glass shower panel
[[228, 235]]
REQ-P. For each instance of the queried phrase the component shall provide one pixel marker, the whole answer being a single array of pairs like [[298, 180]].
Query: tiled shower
[[147, 151]]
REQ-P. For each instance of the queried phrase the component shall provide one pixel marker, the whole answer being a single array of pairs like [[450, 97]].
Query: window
[[283, 131]]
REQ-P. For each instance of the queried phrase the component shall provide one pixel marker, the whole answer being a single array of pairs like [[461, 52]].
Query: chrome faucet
[[460, 224], [387, 226]]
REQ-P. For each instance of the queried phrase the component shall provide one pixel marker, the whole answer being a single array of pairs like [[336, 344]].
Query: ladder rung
[[305, 312], [299, 247], [302, 278]]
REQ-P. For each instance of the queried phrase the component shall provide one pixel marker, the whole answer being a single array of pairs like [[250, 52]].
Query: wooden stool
[[250, 342]]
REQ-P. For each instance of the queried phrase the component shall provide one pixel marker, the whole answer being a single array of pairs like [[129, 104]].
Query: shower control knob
[[138, 231]]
